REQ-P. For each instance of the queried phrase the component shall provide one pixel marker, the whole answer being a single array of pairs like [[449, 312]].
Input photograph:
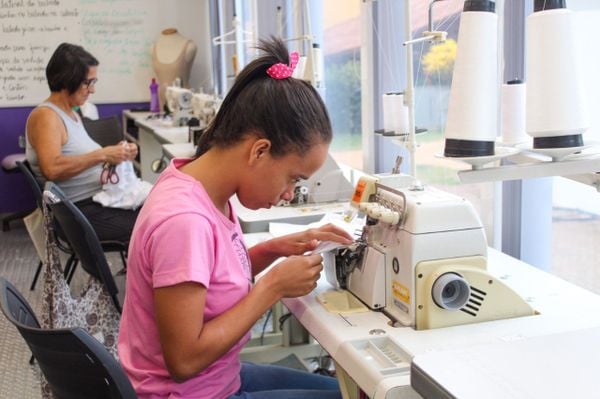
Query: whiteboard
[[118, 33]]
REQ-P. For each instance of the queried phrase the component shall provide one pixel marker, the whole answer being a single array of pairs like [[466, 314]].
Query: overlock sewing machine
[[179, 102], [421, 258], [327, 190], [328, 184], [205, 107]]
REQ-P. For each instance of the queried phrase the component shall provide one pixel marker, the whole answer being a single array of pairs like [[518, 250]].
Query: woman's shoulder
[[43, 119], [176, 191], [43, 112], [173, 214]]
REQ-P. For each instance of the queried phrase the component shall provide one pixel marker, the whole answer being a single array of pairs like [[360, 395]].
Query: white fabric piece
[[34, 223], [129, 192], [89, 110]]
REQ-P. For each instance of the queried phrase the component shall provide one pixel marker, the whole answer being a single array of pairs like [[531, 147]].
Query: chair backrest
[[15, 307], [36, 189], [104, 131], [81, 237], [74, 363]]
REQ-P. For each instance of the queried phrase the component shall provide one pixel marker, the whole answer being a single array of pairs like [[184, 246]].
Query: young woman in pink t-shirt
[[190, 299]]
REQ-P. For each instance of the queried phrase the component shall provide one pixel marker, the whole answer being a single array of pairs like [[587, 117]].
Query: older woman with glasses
[[59, 148]]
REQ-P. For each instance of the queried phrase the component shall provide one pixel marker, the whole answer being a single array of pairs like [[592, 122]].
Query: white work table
[[180, 150], [446, 356], [153, 134]]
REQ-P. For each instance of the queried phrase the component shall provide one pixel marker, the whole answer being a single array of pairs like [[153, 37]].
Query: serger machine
[[327, 190], [421, 258], [205, 107], [328, 184], [179, 102]]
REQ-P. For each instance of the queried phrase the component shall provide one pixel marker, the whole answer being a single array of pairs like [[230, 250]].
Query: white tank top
[[85, 184]]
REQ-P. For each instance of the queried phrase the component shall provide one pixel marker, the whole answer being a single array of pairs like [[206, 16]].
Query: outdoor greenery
[[343, 96], [433, 174]]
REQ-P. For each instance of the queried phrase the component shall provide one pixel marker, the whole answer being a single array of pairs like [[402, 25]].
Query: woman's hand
[[115, 154], [133, 150], [263, 254], [299, 243], [295, 276]]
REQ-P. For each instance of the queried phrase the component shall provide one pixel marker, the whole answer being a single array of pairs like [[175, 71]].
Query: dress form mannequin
[[172, 57]]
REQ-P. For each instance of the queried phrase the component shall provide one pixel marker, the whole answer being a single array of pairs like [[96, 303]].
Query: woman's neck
[[62, 101], [214, 170]]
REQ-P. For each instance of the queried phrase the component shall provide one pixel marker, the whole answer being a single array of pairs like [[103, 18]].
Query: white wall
[[191, 18]]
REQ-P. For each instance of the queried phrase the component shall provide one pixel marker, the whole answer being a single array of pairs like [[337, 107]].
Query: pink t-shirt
[[180, 236]]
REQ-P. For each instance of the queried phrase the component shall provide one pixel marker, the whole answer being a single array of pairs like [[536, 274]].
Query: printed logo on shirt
[[242, 253]]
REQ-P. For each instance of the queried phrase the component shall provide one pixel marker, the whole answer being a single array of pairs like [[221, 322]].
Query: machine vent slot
[[473, 295], [476, 309], [475, 302], [468, 312]]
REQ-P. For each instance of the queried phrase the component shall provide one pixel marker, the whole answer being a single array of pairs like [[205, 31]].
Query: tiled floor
[[18, 262]]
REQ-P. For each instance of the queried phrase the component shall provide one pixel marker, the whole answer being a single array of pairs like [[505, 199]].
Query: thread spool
[[395, 113], [472, 121], [319, 71], [300, 70], [513, 112], [556, 110]]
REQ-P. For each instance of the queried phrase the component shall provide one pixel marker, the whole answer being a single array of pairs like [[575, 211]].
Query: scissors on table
[[109, 174]]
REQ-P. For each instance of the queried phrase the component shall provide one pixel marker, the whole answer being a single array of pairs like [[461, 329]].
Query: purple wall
[[15, 195]]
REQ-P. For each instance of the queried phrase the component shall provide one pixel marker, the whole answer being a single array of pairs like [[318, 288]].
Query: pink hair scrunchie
[[281, 71]]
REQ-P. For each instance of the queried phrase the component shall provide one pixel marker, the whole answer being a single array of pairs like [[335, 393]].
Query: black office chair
[[82, 239], [74, 363], [104, 131], [36, 189], [15, 307], [72, 261]]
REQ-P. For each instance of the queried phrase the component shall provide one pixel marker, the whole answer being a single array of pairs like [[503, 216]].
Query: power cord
[[324, 362], [283, 319]]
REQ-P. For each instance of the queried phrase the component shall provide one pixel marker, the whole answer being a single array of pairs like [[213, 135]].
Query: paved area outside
[[575, 250]]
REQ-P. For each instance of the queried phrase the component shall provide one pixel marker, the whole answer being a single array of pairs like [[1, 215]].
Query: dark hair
[[288, 112], [68, 67]]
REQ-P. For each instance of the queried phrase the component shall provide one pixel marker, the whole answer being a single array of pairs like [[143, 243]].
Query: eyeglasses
[[89, 83]]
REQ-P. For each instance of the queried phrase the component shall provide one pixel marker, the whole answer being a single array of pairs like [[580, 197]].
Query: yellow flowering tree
[[439, 61]]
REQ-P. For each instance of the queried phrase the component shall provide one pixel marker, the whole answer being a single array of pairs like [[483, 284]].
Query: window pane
[[433, 66], [576, 206], [341, 52]]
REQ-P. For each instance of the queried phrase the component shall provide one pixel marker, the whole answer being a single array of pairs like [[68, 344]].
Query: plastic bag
[[34, 223], [127, 192]]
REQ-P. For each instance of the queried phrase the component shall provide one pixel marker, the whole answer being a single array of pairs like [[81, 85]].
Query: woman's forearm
[[65, 167], [262, 255]]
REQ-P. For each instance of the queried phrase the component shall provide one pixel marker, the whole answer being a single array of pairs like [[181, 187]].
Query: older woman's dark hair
[[288, 112], [68, 67]]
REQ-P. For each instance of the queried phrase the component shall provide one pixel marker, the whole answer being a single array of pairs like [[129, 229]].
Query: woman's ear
[[259, 149]]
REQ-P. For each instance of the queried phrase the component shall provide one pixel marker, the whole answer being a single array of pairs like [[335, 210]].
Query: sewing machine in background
[[327, 190], [179, 102], [205, 107], [421, 259]]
